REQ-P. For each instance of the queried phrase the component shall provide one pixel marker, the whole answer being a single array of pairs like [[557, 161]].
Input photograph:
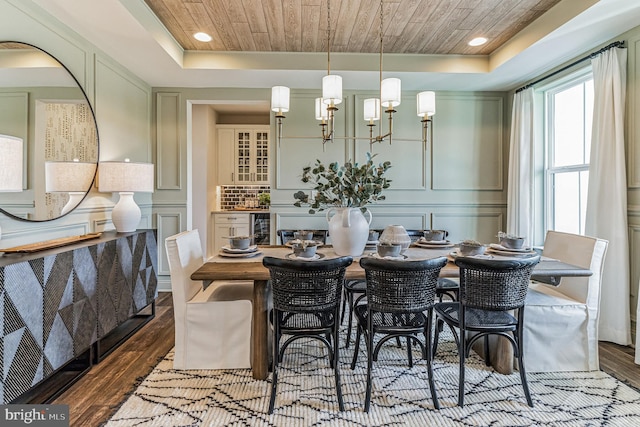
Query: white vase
[[349, 230], [396, 234]]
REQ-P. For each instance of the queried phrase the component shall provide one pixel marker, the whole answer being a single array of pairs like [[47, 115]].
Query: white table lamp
[[69, 177], [10, 164], [125, 178]]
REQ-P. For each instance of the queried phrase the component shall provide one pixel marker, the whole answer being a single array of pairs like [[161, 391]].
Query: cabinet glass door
[[243, 158], [262, 156]]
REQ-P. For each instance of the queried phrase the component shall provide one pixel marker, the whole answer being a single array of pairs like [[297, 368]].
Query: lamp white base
[[126, 214], [75, 197]]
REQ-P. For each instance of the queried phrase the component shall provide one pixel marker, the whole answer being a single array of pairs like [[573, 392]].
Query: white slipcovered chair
[[561, 327], [212, 326]]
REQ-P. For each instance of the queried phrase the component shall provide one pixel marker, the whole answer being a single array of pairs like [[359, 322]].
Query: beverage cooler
[[260, 227]]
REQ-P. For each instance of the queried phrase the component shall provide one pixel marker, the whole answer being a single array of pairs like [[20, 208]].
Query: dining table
[[224, 266]]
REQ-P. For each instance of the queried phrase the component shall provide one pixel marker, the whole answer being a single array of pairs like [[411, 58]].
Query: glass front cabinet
[[243, 155]]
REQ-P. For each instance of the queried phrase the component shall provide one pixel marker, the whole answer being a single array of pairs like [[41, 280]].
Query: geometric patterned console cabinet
[[60, 308]]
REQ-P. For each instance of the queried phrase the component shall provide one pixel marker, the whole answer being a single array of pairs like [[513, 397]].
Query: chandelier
[[325, 107]]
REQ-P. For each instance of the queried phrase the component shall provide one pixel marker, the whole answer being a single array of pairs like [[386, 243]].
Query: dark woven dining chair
[[489, 290], [400, 300], [306, 304]]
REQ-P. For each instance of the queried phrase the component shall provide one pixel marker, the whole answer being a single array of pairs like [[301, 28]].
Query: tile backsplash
[[233, 195]]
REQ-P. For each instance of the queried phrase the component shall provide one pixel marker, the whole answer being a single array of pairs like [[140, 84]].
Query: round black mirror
[[43, 105]]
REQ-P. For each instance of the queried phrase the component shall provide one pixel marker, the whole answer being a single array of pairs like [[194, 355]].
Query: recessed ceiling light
[[478, 41], [203, 37]]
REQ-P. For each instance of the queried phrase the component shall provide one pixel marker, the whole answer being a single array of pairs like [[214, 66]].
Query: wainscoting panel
[[467, 147], [633, 104], [462, 225], [168, 225], [169, 161]]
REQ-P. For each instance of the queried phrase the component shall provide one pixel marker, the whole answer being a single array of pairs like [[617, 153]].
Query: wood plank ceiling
[[410, 26]]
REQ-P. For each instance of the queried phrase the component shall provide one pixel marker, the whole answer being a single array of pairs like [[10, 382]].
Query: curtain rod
[[590, 56]]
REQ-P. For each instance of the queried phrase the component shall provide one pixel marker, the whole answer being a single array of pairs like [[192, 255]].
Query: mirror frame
[[95, 123]]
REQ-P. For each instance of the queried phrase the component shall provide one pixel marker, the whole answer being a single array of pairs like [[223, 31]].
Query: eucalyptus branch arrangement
[[349, 185]]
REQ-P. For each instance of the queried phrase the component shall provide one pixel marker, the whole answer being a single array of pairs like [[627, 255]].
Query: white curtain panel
[[606, 215], [520, 217]]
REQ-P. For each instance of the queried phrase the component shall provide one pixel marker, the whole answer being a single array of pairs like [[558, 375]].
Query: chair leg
[[336, 367], [436, 337], [276, 362], [356, 347], [462, 355], [487, 354], [350, 319], [427, 335], [345, 293], [369, 341], [523, 374], [409, 354]]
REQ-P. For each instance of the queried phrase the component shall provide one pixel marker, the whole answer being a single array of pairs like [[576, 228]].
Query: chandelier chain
[[328, 37]]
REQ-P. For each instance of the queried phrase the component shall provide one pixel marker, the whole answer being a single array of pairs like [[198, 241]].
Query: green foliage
[[350, 185]]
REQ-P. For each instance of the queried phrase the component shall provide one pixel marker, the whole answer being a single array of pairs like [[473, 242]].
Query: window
[[569, 112]]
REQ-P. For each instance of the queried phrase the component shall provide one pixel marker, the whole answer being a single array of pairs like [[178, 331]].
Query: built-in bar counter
[[65, 308]]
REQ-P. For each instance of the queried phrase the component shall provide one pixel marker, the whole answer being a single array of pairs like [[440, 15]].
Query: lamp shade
[[390, 92], [332, 89], [68, 176], [321, 110], [10, 163], [426, 103], [372, 109], [280, 99], [125, 176]]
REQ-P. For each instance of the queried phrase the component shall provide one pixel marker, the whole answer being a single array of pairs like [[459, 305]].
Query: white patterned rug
[[401, 397]]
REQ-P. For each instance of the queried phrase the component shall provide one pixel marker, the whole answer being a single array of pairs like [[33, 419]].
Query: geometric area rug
[[401, 397]]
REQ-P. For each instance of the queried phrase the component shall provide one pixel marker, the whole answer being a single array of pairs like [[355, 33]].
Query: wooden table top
[[221, 268]]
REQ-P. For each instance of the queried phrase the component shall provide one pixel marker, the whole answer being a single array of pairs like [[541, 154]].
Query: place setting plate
[[501, 250], [316, 257], [292, 242], [222, 253], [392, 258], [433, 244], [230, 250]]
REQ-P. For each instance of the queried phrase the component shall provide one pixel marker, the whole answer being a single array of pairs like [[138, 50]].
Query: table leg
[[260, 330]]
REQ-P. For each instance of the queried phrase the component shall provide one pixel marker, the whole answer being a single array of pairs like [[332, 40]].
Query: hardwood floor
[[96, 396]]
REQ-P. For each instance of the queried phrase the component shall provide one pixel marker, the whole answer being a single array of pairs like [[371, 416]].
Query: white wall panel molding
[[467, 147], [169, 143], [122, 110], [168, 225], [481, 226], [42, 231]]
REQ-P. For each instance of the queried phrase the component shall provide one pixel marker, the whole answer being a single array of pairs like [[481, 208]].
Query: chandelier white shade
[[390, 92], [321, 110], [10, 163], [126, 178], [426, 102], [372, 109], [332, 89], [280, 99]]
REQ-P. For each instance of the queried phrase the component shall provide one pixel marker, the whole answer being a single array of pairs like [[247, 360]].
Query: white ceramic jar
[[396, 234]]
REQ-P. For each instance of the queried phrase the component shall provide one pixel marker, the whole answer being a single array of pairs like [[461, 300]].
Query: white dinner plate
[[241, 255], [393, 258], [290, 243], [231, 250], [426, 245], [498, 247], [443, 243], [511, 253], [316, 257]]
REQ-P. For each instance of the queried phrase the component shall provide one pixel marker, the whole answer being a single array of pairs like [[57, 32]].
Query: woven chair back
[[306, 286], [496, 285], [401, 286]]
